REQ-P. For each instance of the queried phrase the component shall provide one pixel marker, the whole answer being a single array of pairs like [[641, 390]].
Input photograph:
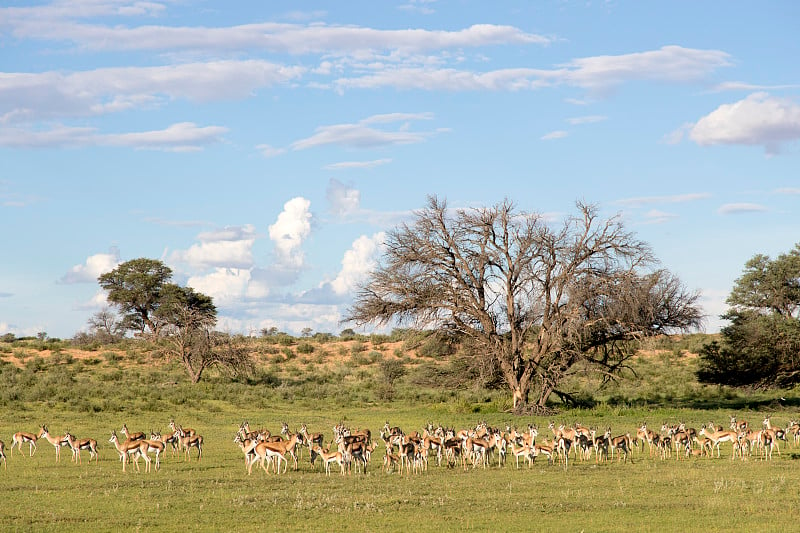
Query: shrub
[[305, 348], [285, 340], [357, 348], [392, 370]]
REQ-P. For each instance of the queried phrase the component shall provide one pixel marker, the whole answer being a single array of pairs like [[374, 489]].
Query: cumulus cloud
[[737, 208], [92, 268], [225, 285], [342, 200], [227, 248], [95, 303], [289, 231], [357, 262], [759, 119]]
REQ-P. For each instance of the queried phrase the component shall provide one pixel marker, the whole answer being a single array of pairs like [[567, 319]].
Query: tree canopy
[[761, 346], [535, 298], [181, 319], [135, 288]]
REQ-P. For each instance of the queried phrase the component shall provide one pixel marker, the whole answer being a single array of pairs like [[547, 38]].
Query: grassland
[[92, 392]]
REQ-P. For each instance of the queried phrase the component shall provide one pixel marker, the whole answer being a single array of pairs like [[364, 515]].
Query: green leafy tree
[[135, 288], [535, 298], [761, 346], [179, 318]]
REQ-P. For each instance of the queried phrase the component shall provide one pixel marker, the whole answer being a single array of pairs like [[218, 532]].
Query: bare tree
[[106, 326], [535, 298], [189, 319]]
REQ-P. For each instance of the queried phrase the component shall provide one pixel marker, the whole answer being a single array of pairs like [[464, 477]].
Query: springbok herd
[[351, 450], [410, 452], [135, 446]]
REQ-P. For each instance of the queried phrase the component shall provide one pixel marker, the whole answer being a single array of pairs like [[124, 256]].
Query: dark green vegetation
[[409, 378], [760, 347]]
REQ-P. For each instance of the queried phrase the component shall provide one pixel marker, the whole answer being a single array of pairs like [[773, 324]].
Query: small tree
[[106, 327], [189, 319], [135, 288], [761, 346]]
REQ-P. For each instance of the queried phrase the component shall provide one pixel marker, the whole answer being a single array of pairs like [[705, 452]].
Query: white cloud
[[47, 95], [357, 262], [419, 6], [742, 86], [342, 200], [270, 151], [670, 199], [759, 119], [788, 190], [184, 136], [225, 285], [736, 208], [655, 216], [676, 136], [95, 303], [289, 231], [590, 119], [181, 137], [672, 64], [668, 63], [231, 247], [558, 134], [52, 24], [448, 79], [358, 164], [92, 268], [361, 135]]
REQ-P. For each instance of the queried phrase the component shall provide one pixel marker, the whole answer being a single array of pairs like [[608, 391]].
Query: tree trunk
[[544, 394]]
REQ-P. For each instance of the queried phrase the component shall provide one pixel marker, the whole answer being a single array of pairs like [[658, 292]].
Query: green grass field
[[216, 494]]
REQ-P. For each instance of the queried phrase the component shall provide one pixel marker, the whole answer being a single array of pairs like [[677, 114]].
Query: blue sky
[[261, 150]]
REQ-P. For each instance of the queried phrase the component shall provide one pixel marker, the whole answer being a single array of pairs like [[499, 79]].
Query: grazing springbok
[[83, 444], [19, 438]]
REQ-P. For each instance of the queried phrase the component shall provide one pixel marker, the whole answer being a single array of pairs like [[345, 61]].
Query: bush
[[392, 370], [305, 348], [357, 348]]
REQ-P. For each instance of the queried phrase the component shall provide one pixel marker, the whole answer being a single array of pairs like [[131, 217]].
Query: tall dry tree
[[537, 298]]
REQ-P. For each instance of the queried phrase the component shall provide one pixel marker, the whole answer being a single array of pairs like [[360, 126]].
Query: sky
[[262, 150]]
